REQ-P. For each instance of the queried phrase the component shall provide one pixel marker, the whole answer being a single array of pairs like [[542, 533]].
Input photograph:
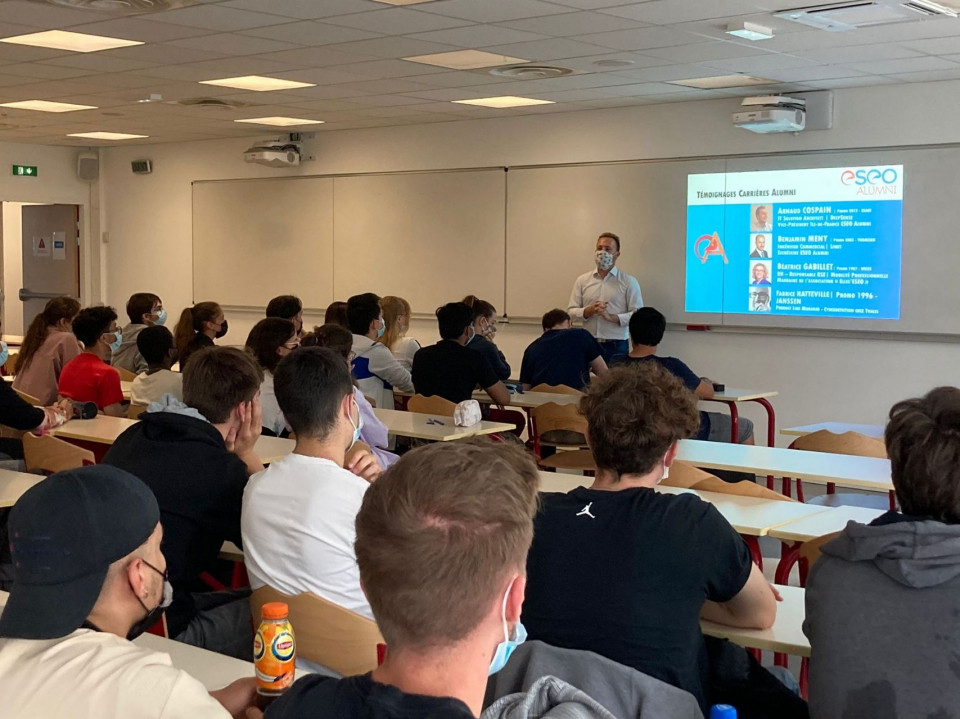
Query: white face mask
[[604, 260], [358, 427]]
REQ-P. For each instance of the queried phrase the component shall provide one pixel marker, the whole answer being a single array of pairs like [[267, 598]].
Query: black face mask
[[153, 615], [223, 330]]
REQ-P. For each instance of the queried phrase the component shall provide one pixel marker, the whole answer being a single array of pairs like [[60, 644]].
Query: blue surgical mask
[[161, 317], [118, 340], [382, 328], [358, 427], [509, 643], [4, 352]]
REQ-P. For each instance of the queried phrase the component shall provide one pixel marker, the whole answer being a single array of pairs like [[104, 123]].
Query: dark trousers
[[610, 348]]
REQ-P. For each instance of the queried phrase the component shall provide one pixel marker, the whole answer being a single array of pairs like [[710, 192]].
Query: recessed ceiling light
[[106, 135], [75, 41], [721, 81], [749, 31], [465, 59], [280, 121], [46, 106], [257, 83], [504, 101]]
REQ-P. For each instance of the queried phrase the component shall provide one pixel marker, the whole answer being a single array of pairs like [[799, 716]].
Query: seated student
[[882, 599], [88, 377], [647, 326], [269, 341], [336, 314], [155, 345], [298, 514], [198, 327], [441, 543], [65, 648], [485, 329], [372, 430], [287, 307], [375, 368], [196, 457], [144, 309], [623, 571], [561, 355], [396, 313], [448, 369], [47, 347]]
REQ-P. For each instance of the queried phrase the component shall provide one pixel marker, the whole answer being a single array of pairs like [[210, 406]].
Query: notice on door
[[41, 246], [59, 245]]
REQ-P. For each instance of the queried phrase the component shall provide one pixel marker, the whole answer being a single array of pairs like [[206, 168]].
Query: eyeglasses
[[291, 345]]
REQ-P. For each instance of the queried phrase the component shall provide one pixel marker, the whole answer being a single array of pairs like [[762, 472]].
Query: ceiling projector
[[771, 113], [274, 154]]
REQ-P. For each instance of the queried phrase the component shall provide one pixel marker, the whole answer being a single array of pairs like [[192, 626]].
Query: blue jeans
[[609, 348]]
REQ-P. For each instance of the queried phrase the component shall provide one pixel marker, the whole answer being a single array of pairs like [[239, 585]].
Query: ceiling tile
[[548, 50], [316, 56], [476, 36], [45, 72], [588, 4], [379, 69], [238, 66], [396, 21], [861, 81], [943, 27], [215, 17], [48, 17], [163, 54], [861, 53], [8, 80], [668, 12], [460, 79], [757, 65], [25, 53], [232, 44], [701, 52], [305, 9], [813, 73], [376, 87], [129, 28], [394, 47], [311, 33], [641, 39], [493, 10], [589, 63], [386, 100], [98, 61], [910, 64], [323, 76], [933, 46], [574, 23]]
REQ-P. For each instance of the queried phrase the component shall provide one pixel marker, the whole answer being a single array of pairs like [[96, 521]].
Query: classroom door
[[51, 256]]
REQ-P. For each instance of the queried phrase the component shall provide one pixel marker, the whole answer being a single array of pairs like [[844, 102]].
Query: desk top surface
[[739, 394], [14, 484], [833, 520], [786, 634], [870, 430], [434, 427]]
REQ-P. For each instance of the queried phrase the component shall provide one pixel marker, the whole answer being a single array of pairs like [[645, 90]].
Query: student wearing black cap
[[90, 577]]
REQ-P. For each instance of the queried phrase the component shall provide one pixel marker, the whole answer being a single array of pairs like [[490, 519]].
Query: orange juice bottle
[[274, 653]]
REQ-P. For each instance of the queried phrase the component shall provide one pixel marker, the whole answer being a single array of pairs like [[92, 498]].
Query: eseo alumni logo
[[707, 245], [872, 180]]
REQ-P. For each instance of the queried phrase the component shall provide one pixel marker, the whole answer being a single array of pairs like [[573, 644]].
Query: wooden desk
[[529, 400], [786, 635], [870, 430], [867, 473], [732, 395], [14, 484], [416, 425]]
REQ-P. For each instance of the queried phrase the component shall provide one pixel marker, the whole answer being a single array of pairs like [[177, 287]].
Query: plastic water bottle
[[723, 711]]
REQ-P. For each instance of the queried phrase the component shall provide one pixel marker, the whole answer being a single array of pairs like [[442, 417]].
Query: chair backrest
[[685, 475], [552, 416], [431, 405], [125, 374], [576, 459], [135, 410], [810, 550], [555, 389], [49, 454], [745, 488], [10, 365], [326, 633], [29, 398], [852, 443]]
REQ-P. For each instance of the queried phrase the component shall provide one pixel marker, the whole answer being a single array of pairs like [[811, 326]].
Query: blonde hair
[[393, 309]]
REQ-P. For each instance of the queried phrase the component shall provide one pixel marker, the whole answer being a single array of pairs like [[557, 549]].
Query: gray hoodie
[[549, 698], [883, 618]]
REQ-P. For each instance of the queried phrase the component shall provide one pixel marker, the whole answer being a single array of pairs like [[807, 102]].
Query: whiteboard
[[256, 239]]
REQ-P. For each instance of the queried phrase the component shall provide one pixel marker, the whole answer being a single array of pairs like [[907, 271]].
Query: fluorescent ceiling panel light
[[106, 135], [46, 106], [280, 121], [257, 83], [504, 101], [721, 81], [465, 59], [749, 31], [75, 41]]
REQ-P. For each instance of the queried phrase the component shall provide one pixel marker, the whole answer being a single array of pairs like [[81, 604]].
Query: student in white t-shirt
[[155, 344], [298, 514], [65, 632], [396, 313]]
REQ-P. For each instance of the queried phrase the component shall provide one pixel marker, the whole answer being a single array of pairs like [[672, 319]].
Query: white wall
[[149, 223]]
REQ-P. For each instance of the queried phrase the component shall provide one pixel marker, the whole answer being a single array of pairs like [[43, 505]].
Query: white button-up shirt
[[619, 290]]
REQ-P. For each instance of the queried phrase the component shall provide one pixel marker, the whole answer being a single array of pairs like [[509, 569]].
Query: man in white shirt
[[159, 351], [605, 299], [375, 368], [299, 513], [91, 577]]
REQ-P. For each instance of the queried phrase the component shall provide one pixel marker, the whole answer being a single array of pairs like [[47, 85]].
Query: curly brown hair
[[634, 413], [923, 443]]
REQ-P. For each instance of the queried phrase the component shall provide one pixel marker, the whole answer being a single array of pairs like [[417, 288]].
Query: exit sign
[[25, 170]]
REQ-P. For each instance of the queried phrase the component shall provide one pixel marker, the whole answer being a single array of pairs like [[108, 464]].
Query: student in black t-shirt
[[647, 326], [448, 369], [442, 539], [626, 572], [561, 355]]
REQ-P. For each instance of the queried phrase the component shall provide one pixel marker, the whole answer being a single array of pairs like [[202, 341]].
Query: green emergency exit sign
[[25, 170]]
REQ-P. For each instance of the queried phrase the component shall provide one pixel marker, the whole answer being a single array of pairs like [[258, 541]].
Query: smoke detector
[[530, 72], [121, 7]]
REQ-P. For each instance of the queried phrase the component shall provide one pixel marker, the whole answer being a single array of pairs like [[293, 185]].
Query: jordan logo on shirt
[[586, 511]]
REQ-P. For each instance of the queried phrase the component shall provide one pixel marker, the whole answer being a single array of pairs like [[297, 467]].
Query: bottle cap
[[723, 711], [275, 610]]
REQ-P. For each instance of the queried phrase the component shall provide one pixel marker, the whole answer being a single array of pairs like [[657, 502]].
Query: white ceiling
[[351, 48]]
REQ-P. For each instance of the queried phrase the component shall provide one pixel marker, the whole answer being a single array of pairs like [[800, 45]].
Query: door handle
[[26, 294]]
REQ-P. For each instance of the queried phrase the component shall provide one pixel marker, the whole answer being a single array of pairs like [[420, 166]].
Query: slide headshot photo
[[761, 245], [759, 299], [760, 273], [761, 218]]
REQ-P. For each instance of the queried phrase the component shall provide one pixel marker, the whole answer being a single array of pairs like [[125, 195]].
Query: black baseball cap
[[65, 532]]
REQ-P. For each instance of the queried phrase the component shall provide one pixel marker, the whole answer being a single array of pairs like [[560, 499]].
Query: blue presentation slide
[[822, 242]]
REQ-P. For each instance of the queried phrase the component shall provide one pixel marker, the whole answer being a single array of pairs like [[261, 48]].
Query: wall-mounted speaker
[[88, 166]]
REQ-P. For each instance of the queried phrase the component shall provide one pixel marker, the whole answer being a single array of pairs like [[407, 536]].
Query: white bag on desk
[[467, 413]]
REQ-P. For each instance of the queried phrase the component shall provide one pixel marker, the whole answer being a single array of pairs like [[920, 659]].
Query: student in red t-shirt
[[87, 377]]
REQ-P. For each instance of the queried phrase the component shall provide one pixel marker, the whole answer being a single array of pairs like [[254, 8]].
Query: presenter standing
[[606, 298]]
